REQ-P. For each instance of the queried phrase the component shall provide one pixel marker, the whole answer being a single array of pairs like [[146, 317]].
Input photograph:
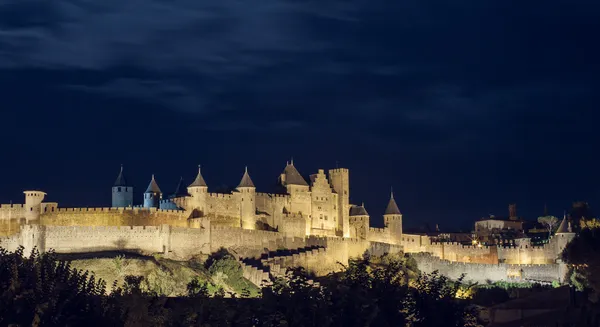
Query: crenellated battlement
[[461, 245], [222, 196], [11, 206], [103, 229], [339, 170], [113, 210], [522, 247]]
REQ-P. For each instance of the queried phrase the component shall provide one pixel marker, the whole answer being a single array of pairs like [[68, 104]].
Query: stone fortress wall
[[482, 273], [171, 233], [113, 217], [11, 211], [187, 242], [313, 218]]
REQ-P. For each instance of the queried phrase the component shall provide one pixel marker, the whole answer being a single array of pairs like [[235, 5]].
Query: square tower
[[340, 182]]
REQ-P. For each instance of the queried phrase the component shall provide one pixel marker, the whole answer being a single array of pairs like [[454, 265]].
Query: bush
[[226, 270]]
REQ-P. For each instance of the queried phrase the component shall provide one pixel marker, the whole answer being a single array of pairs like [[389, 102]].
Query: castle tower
[[392, 219], [340, 181], [359, 222], [199, 193], [564, 234], [180, 190], [153, 195], [291, 177], [177, 199], [33, 205], [122, 193], [247, 194], [512, 211], [298, 189]]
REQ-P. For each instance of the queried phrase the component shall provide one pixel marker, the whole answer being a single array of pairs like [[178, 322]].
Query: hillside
[[163, 276]]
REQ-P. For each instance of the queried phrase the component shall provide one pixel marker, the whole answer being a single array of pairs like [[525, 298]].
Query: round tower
[[122, 193], [33, 205], [199, 192], [153, 195], [392, 219], [247, 194]]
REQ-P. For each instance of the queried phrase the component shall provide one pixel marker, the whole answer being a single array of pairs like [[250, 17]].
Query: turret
[[177, 199], [33, 205], [180, 190], [199, 193], [340, 182], [392, 219], [122, 193], [247, 194], [153, 195]]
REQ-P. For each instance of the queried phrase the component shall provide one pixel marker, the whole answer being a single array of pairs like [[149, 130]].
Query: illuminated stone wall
[[456, 252], [478, 272], [113, 217]]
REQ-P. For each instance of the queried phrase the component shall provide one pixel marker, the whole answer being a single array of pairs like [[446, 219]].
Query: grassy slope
[[164, 276]]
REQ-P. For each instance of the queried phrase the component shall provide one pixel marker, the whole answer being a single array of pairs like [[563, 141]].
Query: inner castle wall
[[114, 217]]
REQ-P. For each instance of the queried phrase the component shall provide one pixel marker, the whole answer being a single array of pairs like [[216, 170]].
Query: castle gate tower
[[359, 221], [33, 205]]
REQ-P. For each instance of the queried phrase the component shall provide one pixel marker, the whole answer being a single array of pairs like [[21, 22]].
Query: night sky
[[462, 106]]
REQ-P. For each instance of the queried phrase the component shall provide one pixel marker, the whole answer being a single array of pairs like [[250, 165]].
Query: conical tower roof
[[199, 181], [246, 180], [392, 207], [358, 211], [121, 181], [153, 187], [180, 191], [292, 176], [563, 227]]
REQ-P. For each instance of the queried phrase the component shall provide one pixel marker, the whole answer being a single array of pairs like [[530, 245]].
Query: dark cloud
[[476, 93]]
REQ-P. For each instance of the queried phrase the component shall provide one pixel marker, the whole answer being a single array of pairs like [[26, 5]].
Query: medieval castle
[[308, 222]]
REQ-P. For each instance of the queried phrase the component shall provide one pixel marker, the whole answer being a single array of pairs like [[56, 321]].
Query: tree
[[582, 255], [38, 290], [580, 210], [589, 223], [549, 222]]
